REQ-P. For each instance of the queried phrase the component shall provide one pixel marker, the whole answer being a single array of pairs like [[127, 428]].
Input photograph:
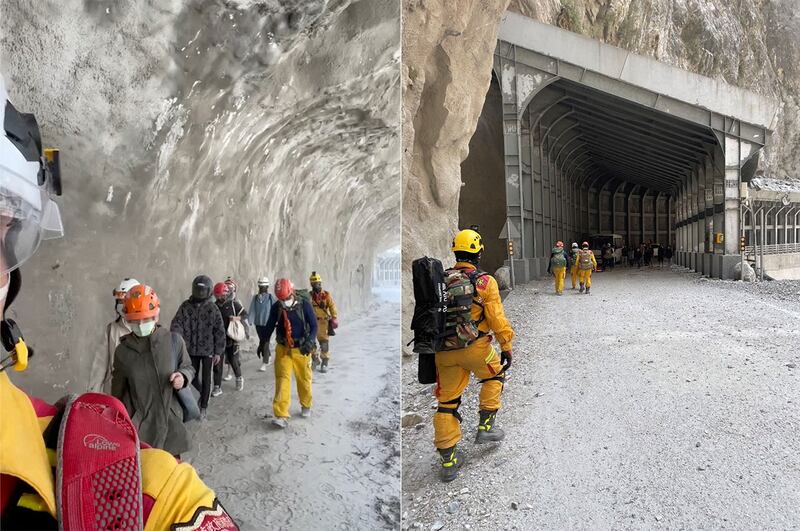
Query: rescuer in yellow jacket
[[586, 264], [467, 349], [327, 319], [573, 258]]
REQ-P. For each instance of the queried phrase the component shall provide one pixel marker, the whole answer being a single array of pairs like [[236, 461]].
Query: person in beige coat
[[100, 374]]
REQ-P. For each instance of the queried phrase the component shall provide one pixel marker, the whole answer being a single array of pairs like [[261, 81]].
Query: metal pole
[[741, 235], [761, 249]]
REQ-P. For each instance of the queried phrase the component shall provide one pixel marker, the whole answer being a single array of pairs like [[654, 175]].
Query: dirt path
[[337, 470], [659, 401]]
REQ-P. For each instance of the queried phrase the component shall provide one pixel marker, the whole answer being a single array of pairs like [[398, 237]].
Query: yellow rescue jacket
[[324, 307], [487, 308], [176, 493]]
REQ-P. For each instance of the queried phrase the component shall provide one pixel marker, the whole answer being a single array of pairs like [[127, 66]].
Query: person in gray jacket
[[100, 375], [149, 366]]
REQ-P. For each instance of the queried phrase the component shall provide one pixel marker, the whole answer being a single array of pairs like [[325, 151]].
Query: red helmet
[[284, 289], [585, 244], [221, 289], [141, 302], [560, 244]]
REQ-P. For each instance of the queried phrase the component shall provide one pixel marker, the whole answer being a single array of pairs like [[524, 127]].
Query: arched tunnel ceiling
[[597, 137]]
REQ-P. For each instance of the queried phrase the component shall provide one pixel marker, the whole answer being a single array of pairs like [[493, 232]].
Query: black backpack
[[430, 313]]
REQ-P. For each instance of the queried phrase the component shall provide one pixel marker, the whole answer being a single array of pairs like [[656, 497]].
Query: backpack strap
[[451, 410]]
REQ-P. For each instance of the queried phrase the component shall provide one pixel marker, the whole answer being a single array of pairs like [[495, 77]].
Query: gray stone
[[411, 419], [749, 273]]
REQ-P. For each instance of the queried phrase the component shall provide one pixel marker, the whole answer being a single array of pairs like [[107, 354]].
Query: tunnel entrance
[[598, 140], [483, 200]]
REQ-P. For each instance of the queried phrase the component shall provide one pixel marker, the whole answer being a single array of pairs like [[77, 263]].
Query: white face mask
[[142, 329], [288, 303]]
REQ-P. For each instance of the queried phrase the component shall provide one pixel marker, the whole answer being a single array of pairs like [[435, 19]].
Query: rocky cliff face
[[754, 44], [237, 137]]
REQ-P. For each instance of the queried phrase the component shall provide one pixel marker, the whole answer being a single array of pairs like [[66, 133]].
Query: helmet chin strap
[[10, 334]]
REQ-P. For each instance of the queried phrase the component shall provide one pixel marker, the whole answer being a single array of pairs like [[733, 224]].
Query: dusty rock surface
[[660, 401]]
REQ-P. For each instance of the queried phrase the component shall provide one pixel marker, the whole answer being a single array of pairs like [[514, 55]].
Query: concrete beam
[[615, 64]]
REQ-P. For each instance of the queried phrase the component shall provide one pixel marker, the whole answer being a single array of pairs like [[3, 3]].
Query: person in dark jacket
[[148, 367], [260, 307], [295, 324], [231, 309], [199, 322]]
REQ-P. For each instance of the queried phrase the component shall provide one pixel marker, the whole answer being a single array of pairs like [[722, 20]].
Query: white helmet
[[29, 177], [124, 287], [263, 281]]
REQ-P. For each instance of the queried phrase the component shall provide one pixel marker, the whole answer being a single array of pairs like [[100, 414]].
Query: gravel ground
[[338, 469], [661, 400]]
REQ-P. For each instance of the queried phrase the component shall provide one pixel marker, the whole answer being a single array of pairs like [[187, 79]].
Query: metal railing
[[779, 248]]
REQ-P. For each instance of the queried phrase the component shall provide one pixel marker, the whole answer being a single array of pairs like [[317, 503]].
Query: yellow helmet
[[314, 277], [468, 240]]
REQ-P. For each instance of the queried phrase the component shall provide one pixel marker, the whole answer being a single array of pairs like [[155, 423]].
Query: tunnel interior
[[602, 165]]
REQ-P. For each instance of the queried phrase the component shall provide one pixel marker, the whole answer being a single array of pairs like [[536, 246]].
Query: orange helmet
[[141, 303], [585, 244], [559, 244], [284, 289]]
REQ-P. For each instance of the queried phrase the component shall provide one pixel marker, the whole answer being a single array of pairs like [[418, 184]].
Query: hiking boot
[[324, 366], [487, 428], [452, 460], [314, 363], [203, 414], [263, 368], [240, 383], [581, 290], [305, 412], [587, 290], [280, 422], [217, 391]]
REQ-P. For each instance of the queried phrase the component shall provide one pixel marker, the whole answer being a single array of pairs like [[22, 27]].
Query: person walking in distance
[[586, 264], [231, 311], [559, 262], [327, 319], [260, 307]]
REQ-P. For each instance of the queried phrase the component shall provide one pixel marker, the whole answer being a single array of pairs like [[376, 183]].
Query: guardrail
[[779, 248]]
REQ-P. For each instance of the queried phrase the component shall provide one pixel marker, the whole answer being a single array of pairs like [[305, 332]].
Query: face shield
[[28, 177]]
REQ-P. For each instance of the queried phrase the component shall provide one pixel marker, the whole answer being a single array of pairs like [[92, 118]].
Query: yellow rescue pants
[[288, 361], [559, 273], [585, 277], [452, 373], [574, 272]]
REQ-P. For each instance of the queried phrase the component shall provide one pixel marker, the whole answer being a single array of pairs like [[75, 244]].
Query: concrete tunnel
[[593, 139]]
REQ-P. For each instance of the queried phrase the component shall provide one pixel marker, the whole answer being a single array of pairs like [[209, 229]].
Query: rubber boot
[[487, 428], [581, 290], [305, 412], [314, 362], [240, 383], [587, 290], [452, 460], [324, 366]]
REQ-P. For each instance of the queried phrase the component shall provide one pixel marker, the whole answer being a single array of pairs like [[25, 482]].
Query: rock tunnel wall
[[750, 44], [232, 137]]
